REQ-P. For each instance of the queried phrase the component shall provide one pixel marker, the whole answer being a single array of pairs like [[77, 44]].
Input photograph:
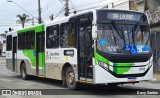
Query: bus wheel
[[24, 72], [70, 79]]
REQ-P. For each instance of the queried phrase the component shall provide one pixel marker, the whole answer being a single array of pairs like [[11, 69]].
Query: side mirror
[[94, 33]]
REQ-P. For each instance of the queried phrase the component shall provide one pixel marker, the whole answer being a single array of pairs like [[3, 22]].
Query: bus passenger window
[[67, 35], [21, 41], [52, 37], [9, 42], [30, 39]]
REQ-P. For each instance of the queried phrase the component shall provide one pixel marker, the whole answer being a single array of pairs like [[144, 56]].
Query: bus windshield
[[123, 38]]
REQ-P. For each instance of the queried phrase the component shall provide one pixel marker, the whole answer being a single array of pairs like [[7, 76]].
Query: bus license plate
[[132, 79]]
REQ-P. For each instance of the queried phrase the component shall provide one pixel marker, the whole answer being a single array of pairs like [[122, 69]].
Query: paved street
[[10, 80]]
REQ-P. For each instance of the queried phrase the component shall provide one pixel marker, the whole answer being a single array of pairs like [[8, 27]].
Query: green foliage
[[23, 19]]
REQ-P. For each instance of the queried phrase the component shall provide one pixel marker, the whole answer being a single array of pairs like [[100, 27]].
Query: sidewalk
[[2, 60], [156, 76]]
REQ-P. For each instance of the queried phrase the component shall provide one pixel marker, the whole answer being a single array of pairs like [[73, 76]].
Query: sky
[[9, 10]]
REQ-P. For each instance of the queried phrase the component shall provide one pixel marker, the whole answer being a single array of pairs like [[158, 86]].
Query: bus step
[[40, 76]]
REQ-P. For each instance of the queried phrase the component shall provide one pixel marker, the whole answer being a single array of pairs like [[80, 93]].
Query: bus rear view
[[123, 53]]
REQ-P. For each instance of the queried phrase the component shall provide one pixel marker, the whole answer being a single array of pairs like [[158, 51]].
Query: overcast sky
[[9, 10]]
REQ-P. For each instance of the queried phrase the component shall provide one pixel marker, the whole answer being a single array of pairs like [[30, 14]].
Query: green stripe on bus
[[100, 58], [41, 59], [116, 69], [30, 55], [123, 69]]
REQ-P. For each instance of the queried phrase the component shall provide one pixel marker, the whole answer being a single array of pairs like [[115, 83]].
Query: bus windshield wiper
[[119, 31], [133, 30]]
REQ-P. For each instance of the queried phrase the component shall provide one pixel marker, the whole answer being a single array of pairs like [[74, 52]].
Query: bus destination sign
[[124, 16], [120, 16]]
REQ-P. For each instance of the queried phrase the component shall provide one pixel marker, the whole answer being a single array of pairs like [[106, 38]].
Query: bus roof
[[11, 32], [121, 10], [37, 28]]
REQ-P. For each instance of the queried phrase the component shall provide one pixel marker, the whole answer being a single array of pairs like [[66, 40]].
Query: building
[[152, 10], [123, 5]]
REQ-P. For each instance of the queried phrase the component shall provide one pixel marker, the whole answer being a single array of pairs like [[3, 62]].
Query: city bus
[[99, 46]]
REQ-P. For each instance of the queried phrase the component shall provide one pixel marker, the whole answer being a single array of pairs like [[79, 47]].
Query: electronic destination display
[[119, 15]]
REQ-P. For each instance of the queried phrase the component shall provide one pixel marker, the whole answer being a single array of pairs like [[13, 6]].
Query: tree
[[23, 19]]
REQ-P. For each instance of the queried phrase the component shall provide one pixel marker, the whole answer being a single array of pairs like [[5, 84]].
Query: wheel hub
[[71, 77], [23, 73]]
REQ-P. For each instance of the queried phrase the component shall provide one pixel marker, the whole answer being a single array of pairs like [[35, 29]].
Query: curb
[[154, 80], [2, 62]]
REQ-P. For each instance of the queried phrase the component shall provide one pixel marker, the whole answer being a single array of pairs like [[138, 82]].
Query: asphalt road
[[11, 80]]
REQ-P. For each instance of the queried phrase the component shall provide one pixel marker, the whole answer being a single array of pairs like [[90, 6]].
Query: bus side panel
[[9, 60], [54, 63], [30, 69], [55, 60]]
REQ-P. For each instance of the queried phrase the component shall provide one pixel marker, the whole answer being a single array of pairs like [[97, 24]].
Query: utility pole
[[67, 8], [51, 17], [32, 21], [112, 5], [39, 12]]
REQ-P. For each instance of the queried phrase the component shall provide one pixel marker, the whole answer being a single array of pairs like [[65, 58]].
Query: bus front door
[[85, 52], [40, 54], [14, 53]]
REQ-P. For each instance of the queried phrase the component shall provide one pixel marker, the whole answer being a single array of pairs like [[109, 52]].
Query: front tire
[[24, 72], [70, 79]]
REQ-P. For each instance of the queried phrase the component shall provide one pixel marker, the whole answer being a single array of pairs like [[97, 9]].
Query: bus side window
[[21, 41], [67, 35], [52, 37], [30, 39], [9, 43]]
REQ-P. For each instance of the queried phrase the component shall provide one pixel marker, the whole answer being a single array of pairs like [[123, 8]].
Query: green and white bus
[[99, 46]]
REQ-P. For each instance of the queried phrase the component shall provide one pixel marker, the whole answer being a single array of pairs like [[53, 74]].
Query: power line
[[73, 5], [23, 9], [74, 8], [10, 25], [51, 1], [60, 12], [48, 6], [89, 8], [16, 14], [89, 4], [51, 9], [7, 20], [56, 15], [92, 7]]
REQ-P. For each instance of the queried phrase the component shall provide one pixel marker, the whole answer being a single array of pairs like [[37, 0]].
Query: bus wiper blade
[[133, 30], [119, 32]]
